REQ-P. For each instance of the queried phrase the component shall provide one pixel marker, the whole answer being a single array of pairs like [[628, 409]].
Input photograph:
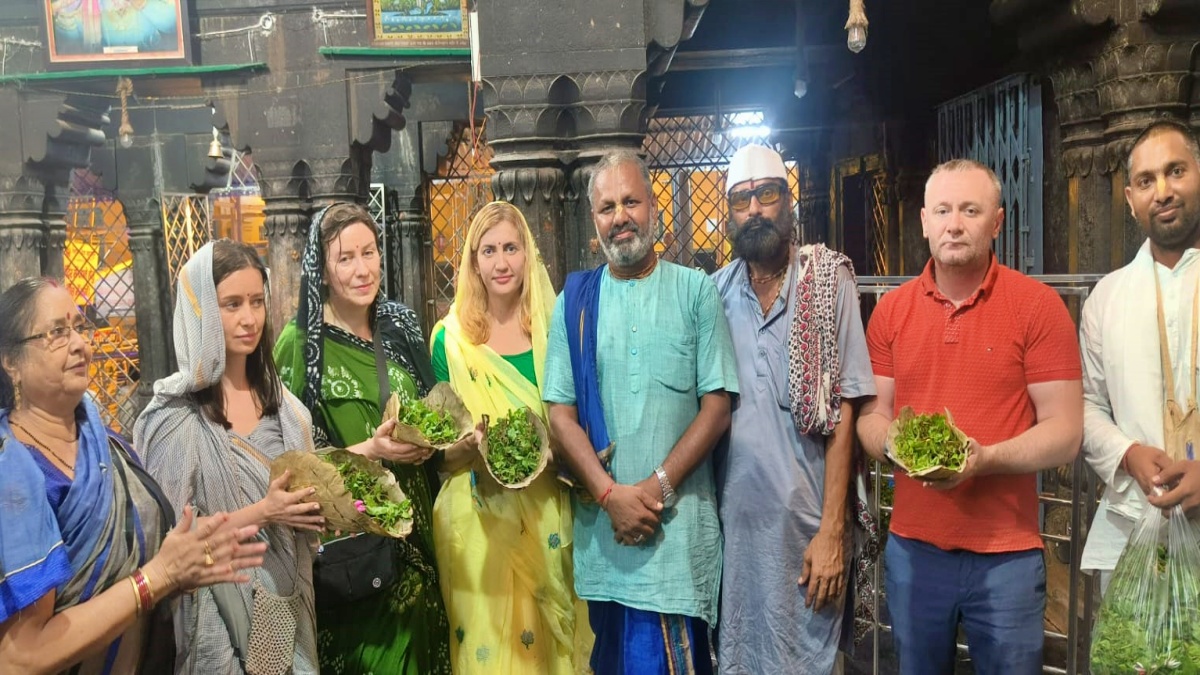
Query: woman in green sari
[[327, 356]]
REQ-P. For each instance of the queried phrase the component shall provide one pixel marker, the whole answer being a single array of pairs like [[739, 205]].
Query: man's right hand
[[635, 515], [1143, 463]]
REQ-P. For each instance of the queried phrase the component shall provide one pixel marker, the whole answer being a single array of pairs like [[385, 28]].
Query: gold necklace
[[771, 277], [41, 445], [640, 275]]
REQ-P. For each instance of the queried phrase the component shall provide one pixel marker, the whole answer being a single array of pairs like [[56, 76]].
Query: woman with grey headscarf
[[209, 436]]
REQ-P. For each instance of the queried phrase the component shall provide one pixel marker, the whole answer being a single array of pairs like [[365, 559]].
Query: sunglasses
[[767, 194]]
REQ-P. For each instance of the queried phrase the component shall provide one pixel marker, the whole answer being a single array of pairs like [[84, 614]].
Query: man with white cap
[[998, 351], [785, 475]]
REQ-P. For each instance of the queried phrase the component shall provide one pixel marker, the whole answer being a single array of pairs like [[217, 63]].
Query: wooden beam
[[728, 59]]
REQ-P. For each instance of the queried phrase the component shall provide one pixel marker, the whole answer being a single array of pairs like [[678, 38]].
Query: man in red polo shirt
[[998, 350]]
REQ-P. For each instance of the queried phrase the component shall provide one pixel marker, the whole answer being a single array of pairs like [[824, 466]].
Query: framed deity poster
[[419, 24], [116, 33]]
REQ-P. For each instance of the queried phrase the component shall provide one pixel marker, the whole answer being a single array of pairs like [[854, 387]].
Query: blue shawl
[[75, 550], [581, 312]]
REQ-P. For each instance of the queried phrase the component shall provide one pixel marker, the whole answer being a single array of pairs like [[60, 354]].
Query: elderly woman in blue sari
[[209, 436], [86, 543]]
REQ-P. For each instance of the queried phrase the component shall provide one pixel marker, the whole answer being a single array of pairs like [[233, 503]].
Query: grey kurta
[[771, 482]]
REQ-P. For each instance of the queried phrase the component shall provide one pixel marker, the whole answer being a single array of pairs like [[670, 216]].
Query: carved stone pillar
[[1089, 236], [284, 184], [582, 248], [22, 238], [54, 224], [143, 216]]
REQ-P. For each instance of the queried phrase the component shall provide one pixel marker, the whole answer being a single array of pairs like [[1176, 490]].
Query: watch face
[[669, 500]]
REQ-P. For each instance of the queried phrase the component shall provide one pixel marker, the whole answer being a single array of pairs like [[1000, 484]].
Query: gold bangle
[[149, 586], [137, 597]]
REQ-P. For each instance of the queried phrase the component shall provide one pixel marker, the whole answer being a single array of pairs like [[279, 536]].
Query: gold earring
[[16, 395]]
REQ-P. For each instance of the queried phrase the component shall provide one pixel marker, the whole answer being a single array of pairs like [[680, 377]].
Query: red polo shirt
[[976, 360]]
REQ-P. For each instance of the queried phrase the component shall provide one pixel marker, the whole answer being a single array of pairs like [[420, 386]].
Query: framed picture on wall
[[419, 25], [116, 33]]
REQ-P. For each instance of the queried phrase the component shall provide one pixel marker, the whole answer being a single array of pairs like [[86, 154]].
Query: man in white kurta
[[1123, 376]]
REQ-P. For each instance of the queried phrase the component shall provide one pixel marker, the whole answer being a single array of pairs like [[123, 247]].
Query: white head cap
[[754, 162]]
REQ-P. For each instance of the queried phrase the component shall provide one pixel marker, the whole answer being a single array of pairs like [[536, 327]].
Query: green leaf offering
[[516, 448], [437, 421], [434, 425], [927, 446], [356, 494], [371, 497], [1149, 619]]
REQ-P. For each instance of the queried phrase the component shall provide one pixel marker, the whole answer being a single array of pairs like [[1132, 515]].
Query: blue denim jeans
[[999, 598]]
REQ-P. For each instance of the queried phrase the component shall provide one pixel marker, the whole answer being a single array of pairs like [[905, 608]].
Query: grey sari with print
[[200, 462]]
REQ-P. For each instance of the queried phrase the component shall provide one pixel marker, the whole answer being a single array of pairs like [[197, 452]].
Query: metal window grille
[[377, 206], [235, 212], [98, 266], [462, 184], [187, 226], [878, 210], [1000, 125], [688, 156]]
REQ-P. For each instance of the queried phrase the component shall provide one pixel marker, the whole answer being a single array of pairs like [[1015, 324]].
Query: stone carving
[[1078, 116]]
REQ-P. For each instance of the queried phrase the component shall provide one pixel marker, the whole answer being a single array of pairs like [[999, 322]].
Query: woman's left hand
[[382, 446]]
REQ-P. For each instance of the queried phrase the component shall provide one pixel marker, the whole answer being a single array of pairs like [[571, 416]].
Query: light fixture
[[856, 27], [125, 131], [214, 148]]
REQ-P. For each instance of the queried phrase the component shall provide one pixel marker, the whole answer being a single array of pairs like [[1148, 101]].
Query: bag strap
[[385, 389]]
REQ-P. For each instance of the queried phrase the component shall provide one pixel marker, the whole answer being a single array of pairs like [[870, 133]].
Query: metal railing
[[1084, 495]]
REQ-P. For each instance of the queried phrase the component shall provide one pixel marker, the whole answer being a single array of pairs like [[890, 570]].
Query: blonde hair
[[470, 297], [960, 165]]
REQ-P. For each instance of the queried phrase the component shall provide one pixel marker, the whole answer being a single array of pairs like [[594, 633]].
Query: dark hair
[[340, 216], [1158, 127], [228, 257], [18, 305]]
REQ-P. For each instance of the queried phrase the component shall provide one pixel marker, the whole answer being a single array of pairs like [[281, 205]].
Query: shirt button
[[635, 329], [633, 351], [632, 283], [762, 352]]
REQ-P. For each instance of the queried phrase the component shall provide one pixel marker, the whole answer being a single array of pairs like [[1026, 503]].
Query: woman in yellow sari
[[504, 555]]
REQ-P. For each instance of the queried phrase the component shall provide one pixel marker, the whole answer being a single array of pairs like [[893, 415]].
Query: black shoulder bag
[[357, 566]]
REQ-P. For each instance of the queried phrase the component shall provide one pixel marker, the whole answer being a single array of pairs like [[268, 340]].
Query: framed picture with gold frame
[[419, 25], [130, 33]]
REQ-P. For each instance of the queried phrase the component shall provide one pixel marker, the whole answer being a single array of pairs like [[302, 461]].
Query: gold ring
[[208, 559], [638, 539]]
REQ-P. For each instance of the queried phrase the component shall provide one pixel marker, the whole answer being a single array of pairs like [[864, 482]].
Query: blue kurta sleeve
[[716, 368], [560, 380], [856, 377]]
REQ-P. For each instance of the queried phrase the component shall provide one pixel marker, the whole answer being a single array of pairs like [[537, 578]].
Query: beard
[[761, 239], [630, 252], [1177, 235]]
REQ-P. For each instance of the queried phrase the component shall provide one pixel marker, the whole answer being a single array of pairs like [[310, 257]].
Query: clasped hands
[[635, 510], [1179, 480]]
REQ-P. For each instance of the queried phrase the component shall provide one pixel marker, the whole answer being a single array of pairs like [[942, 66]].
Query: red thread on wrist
[[604, 496]]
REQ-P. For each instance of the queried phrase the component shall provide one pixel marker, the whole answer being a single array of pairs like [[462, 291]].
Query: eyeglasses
[[59, 336], [767, 194]]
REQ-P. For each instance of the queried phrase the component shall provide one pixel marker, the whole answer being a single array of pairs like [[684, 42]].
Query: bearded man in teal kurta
[[639, 374]]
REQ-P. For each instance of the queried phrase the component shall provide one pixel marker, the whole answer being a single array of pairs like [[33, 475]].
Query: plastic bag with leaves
[[1149, 620], [437, 421], [515, 448], [356, 494]]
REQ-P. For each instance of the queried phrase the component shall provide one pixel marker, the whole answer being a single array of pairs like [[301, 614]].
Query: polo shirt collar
[[929, 285]]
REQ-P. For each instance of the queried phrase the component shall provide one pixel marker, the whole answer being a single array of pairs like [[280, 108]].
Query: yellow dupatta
[[505, 557]]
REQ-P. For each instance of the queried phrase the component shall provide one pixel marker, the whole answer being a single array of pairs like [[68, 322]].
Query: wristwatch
[[668, 492]]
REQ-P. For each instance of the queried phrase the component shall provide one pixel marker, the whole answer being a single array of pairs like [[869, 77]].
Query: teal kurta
[[663, 343]]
